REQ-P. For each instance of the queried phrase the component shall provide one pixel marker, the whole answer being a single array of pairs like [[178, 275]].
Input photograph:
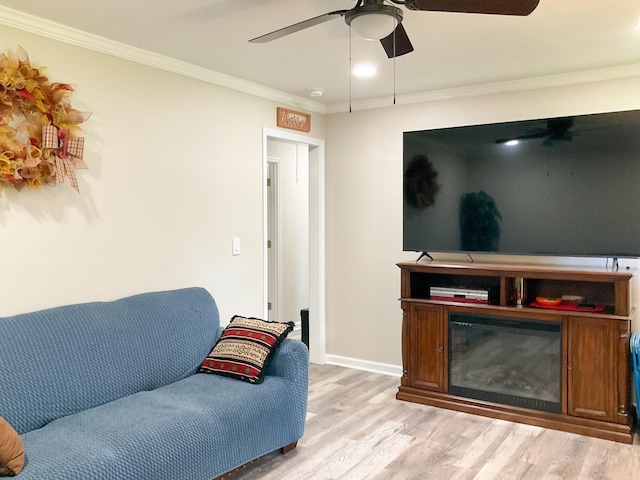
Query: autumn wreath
[[39, 143]]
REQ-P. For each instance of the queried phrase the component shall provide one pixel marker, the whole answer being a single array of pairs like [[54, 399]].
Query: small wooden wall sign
[[294, 120]]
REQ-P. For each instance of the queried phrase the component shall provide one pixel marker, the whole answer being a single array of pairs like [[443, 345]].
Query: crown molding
[[573, 78], [62, 33], [55, 31]]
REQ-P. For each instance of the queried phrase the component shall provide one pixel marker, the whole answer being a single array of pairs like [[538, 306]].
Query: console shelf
[[595, 380]]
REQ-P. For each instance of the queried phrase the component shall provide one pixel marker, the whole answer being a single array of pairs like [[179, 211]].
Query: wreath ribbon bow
[[68, 151]]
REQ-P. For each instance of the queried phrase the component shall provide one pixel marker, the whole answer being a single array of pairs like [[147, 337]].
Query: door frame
[[317, 330], [274, 257]]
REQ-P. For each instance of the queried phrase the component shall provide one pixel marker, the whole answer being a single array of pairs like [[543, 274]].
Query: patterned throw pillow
[[245, 349], [11, 450]]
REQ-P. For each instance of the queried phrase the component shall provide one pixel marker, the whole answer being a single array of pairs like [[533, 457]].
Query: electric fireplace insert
[[506, 360]]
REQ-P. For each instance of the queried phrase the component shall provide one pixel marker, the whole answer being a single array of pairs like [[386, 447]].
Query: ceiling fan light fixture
[[374, 26], [374, 21]]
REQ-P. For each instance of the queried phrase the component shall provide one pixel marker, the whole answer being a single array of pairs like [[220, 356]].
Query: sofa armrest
[[291, 361], [291, 364]]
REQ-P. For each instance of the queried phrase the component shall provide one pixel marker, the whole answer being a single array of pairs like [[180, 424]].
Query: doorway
[[303, 158], [288, 229]]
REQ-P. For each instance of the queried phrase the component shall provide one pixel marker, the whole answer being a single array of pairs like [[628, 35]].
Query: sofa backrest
[[59, 361]]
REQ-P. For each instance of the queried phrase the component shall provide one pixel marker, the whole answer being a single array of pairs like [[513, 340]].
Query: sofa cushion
[[245, 349], [11, 450]]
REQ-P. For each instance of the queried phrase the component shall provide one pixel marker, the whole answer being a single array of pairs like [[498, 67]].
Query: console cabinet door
[[591, 368], [426, 339]]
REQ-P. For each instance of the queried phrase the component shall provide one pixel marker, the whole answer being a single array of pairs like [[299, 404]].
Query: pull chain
[[394, 64], [350, 67]]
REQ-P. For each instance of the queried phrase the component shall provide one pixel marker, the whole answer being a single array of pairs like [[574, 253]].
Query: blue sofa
[[108, 390]]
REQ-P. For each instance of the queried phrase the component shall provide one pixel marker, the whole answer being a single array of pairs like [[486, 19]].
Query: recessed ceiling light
[[511, 143], [365, 70], [315, 92]]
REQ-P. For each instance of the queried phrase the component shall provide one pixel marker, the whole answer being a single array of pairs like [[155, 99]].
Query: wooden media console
[[587, 341]]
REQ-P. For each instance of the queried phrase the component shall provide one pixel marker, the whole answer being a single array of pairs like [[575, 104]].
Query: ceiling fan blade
[[296, 27], [557, 129], [520, 8], [402, 42]]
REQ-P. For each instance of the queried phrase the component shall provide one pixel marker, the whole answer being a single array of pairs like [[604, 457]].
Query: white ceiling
[[452, 50]]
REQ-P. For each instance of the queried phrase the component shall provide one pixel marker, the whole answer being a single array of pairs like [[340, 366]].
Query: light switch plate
[[235, 246]]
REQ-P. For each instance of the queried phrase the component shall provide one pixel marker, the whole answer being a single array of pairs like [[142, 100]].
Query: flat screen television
[[565, 186]]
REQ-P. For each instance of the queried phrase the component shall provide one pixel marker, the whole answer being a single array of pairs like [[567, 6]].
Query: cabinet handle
[[569, 366], [440, 349]]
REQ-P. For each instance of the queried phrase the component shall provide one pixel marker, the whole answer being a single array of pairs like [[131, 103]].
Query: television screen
[[565, 186]]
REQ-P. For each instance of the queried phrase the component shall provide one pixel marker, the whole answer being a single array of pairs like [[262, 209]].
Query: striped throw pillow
[[245, 349]]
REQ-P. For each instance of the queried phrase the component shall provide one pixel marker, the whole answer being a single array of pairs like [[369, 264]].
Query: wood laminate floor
[[356, 429]]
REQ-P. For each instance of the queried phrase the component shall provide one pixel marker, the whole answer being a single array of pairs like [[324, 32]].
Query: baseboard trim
[[365, 365]]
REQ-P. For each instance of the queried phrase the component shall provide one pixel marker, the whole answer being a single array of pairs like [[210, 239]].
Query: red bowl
[[549, 301]]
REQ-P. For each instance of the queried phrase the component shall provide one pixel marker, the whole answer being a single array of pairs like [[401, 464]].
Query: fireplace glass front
[[506, 360]]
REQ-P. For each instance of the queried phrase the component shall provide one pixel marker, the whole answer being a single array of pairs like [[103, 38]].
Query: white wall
[[364, 202], [175, 172]]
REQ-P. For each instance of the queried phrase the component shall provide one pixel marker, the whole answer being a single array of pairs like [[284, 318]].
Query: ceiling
[[452, 50]]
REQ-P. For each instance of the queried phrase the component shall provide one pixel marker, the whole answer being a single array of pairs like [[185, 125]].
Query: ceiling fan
[[376, 20], [558, 130]]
